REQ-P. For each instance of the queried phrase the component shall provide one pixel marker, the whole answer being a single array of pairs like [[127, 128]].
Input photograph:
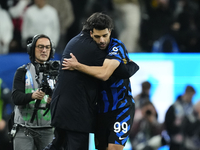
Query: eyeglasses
[[41, 47]]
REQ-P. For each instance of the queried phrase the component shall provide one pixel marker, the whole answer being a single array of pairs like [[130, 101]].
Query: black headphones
[[31, 47]]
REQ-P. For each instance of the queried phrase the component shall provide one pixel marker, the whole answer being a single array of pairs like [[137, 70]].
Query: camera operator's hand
[[2, 124], [49, 100], [38, 94]]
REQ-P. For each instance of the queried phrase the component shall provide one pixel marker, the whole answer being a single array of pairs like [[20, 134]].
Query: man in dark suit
[[74, 98]]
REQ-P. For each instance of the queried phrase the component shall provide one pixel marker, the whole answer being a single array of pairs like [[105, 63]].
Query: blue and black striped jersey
[[116, 93]]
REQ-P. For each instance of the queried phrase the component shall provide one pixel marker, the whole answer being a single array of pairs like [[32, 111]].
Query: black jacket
[[73, 105]]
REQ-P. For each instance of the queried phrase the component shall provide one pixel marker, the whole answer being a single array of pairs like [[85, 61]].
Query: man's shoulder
[[83, 40], [23, 67], [51, 8], [115, 40], [84, 35], [21, 71], [31, 8], [116, 44]]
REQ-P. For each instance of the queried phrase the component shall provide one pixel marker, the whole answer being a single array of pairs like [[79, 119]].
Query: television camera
[[50, 71]]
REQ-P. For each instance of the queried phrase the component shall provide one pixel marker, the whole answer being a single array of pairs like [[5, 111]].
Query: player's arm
[[100, 72]]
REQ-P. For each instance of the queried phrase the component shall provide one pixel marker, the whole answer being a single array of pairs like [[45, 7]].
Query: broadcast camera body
[[50, 71]]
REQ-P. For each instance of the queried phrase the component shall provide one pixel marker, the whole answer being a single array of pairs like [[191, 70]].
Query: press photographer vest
[[24, 113]]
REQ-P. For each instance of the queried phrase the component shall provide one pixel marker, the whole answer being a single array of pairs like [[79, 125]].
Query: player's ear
[[109, 31], [91, 33]]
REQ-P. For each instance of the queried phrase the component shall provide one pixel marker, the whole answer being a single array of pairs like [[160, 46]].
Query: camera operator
[[30, 98], [145, 128]]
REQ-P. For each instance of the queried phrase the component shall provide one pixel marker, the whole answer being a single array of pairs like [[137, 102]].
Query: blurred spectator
[[128, 22], [105, 6], [174, 119], [4, 4], [84, 8], [192, 129], [186, 28], [66, 18], [178, 7], [16, 10], [165, 44], [146, 131], [6, 107], [79, 9], [6, 31], [40, 18], [144, 95], [156, 20]]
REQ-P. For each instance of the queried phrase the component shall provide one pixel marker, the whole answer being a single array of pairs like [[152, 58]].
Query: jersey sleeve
[[117, 51]]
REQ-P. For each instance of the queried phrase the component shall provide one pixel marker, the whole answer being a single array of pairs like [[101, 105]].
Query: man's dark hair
[[98, 21], [32, 44], [189, 89], [146, 85]]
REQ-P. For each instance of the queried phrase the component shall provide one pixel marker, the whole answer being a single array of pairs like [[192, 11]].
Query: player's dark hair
[[98, 21]]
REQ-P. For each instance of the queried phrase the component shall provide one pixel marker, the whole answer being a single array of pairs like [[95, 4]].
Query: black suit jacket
[[73, 105]]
